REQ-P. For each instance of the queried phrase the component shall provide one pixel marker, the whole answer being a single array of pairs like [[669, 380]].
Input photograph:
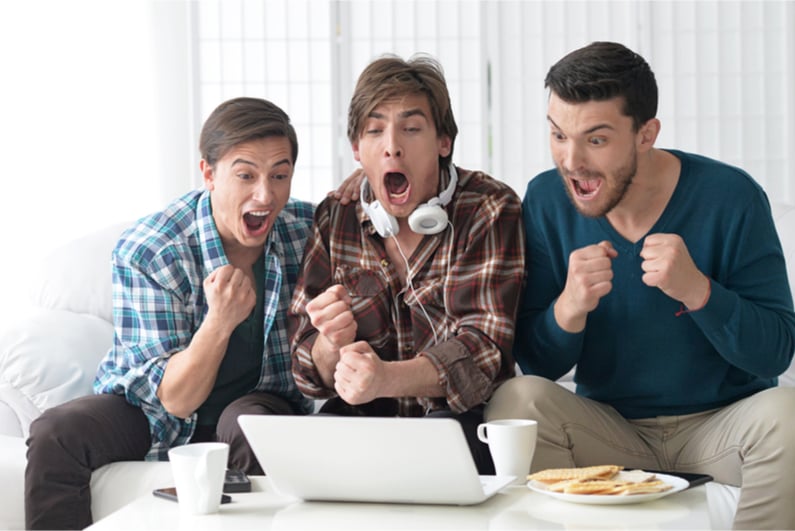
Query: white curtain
[[726, 71]]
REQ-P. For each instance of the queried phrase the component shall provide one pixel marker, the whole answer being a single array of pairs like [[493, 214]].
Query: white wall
[[91, 129]]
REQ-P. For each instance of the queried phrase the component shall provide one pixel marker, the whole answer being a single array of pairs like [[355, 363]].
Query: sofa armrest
[[48, 358]]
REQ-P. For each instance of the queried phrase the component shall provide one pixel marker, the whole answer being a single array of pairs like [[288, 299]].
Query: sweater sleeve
[[749, 316], [541, 347]]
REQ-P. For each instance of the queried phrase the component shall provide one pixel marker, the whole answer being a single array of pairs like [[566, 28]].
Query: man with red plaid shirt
[[407, 300]]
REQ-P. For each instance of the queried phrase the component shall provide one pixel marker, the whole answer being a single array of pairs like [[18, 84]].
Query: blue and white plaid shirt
[[159, 266]]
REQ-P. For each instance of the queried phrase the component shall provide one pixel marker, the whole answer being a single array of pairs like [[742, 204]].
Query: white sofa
[[50, 354]]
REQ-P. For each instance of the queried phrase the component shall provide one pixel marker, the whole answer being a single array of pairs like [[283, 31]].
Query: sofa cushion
[[12, 474], [77, 276], [47, 359]]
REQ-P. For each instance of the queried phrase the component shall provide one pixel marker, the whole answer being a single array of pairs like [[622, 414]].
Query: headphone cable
[[409, 274]]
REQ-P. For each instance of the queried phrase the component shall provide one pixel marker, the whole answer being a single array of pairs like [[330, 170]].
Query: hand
[[348, 191], [358, 373], [330, 313], [590, 277], [230, 297], [667, 265]]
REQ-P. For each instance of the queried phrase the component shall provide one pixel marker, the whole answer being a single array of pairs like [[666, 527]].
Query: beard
[[612, 191]]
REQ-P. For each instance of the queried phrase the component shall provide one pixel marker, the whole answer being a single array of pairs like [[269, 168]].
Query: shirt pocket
[[371, 305]]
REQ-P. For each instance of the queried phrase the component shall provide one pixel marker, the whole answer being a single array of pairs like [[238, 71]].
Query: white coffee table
[[515, 507]]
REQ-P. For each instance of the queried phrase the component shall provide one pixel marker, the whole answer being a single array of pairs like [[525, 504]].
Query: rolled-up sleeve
[[481, 296]]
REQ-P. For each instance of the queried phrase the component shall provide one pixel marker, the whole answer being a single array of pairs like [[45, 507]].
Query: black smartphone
[[236, 481], [691, 477], [170, 493]]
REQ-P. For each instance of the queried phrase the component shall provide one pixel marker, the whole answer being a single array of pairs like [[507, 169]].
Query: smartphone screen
[[170, 493]]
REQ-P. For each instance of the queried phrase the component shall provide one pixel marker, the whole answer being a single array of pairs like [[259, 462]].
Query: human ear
[[207, 174], [445, 145], [355, 146], [647, 135]]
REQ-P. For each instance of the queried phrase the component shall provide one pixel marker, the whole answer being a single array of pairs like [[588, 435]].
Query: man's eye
[[280, 176], [597, 141], [244, 176], [558, 136], [373, 131]]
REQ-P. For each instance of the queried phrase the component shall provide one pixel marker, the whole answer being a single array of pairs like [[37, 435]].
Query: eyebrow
[[587, 131], [274, 165], [404, 114]]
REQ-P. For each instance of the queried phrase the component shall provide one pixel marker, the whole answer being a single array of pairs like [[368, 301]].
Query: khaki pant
[[750, 443]]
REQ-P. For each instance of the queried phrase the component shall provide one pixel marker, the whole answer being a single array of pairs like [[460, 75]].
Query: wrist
[[700, 301], [568, 321]]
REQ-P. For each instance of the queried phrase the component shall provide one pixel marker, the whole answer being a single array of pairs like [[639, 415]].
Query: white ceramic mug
[[198, 470], [512, 443]]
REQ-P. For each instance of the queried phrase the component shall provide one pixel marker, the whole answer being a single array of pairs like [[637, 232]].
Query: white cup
[[198, 470], [512, 443]]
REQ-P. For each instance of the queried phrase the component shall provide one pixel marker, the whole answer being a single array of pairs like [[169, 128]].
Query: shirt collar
[[212, 248]]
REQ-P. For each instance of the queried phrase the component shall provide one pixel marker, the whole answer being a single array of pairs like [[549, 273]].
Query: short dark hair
[[389, 77], [241, 120], [603, 71]]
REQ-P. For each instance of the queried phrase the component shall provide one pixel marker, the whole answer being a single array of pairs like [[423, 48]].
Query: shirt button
[[384, 262], [407, 348]]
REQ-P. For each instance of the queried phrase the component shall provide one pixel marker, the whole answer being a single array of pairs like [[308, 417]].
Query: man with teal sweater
[[660, 276]]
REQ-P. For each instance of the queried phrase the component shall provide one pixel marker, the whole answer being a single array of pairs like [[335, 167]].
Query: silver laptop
[[395, 460]]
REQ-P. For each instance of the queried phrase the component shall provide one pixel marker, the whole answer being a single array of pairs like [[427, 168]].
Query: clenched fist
[[667, 265], [331, 314], [590, 277], [230, 297]]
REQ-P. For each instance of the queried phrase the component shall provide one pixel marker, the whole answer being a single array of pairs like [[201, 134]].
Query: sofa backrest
[[76, 277]]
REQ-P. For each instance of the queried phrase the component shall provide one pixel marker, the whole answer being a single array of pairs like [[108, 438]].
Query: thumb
[[608, 247]]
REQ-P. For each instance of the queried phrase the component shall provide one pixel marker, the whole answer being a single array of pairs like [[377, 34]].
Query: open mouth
[[256, 220], [586, 189], [397, 186]]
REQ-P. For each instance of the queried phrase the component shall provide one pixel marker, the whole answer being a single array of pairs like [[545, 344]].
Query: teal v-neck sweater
[[635, 353]]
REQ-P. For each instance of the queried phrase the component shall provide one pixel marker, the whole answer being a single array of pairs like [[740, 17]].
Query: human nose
[[392, 147], [571, 157], [262, 190]]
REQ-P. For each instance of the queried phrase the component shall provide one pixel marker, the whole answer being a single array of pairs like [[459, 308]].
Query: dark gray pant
[[68, 442]]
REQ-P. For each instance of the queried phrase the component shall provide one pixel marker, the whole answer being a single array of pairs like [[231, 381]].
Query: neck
[[243, 257], [648, 195]]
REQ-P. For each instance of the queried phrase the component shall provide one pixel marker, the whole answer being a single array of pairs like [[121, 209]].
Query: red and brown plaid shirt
[[468, 280]]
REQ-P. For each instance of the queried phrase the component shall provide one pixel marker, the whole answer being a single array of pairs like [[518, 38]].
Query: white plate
[[678, 484]]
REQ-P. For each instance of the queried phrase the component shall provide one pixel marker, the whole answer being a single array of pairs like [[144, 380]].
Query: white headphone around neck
[[427, 218]]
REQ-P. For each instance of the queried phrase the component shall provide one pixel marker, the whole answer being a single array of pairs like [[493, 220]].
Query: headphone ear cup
[[428, 219], [385, 223]]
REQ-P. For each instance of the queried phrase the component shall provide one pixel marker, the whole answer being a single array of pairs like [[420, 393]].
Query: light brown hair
[[390, 77]]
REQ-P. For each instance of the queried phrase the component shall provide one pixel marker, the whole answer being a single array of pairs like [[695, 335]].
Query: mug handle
[[482, 433]]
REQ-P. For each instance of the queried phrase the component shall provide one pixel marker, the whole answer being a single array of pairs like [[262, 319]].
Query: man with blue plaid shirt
[[200, 298]]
